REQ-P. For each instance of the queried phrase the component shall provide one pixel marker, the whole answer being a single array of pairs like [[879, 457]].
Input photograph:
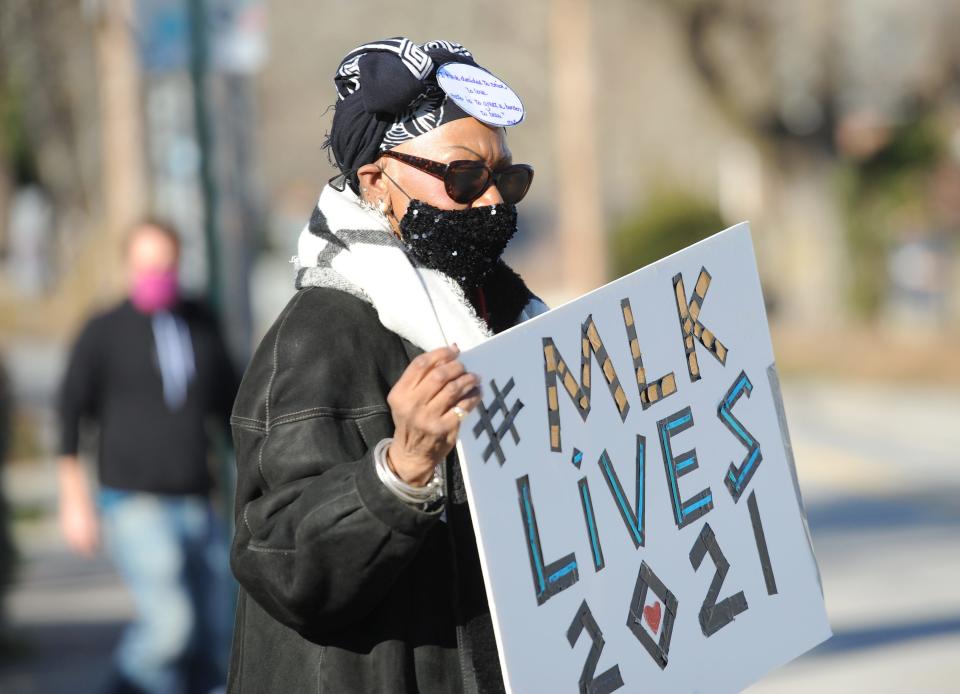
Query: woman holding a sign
[[354, 545]]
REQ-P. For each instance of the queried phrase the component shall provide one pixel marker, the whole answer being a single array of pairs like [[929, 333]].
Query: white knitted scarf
[[350, 247]]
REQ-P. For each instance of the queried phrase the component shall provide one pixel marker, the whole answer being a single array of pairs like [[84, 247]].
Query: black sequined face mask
[[465, 244]]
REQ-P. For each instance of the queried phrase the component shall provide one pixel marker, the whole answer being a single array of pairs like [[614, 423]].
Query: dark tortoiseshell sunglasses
[[466, 180]]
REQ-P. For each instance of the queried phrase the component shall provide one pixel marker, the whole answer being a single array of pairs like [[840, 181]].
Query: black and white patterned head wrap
[[387, 94]]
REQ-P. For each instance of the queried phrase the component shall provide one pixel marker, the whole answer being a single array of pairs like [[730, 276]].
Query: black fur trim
[[506, 295]]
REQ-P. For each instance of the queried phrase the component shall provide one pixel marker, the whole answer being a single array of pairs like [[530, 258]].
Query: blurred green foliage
[[671, 220], [14, 146], [882, 196], [24, 438]]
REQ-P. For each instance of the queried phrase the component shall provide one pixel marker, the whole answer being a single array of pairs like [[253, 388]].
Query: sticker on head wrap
[[480, 94]]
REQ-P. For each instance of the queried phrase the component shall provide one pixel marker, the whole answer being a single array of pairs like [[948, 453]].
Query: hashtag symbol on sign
[[498, 405]]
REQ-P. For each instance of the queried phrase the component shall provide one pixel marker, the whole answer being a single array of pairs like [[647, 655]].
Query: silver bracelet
[[417, 496]]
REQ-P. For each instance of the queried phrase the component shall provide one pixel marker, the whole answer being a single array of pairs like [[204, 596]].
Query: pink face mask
[[154, 291]]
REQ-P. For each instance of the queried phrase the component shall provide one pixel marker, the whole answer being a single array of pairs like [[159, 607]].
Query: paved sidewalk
[[67, 618], [65, 613]]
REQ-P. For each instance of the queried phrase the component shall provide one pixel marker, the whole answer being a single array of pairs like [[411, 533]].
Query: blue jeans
[[172, 553]]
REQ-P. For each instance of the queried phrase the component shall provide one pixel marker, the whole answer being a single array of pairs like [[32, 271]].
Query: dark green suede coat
[[344, 587]]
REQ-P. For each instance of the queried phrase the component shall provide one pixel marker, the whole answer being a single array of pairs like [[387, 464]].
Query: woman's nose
[[491, 196]]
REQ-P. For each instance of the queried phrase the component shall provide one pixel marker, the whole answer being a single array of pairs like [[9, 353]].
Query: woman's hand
[[422, 403]]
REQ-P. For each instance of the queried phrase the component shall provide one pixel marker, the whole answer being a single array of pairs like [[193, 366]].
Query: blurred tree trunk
[[39, 43], [121, 118], [49, 122], [580, 213]]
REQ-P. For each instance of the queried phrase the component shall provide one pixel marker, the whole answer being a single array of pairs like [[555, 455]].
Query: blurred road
[[880, 472]]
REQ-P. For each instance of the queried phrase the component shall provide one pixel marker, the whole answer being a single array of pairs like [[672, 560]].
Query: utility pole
[[581, 226], [199, 63], [121, 118]]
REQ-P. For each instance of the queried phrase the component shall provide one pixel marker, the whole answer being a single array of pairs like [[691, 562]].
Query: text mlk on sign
[[632, 487]]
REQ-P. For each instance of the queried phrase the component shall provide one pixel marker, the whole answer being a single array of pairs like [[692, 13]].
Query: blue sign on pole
[[236, 32], [163, 35]]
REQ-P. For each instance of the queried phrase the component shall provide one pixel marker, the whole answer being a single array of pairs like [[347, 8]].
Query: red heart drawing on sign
[[651, 613]]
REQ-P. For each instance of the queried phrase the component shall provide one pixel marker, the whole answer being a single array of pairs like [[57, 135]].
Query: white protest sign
[[633, 491], [480, 94]]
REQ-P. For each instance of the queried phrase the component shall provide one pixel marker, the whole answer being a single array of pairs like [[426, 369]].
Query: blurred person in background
[[151, 373], [354, 545]]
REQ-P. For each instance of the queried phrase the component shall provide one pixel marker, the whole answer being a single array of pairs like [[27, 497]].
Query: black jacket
[[344, 587], [113, 379]]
